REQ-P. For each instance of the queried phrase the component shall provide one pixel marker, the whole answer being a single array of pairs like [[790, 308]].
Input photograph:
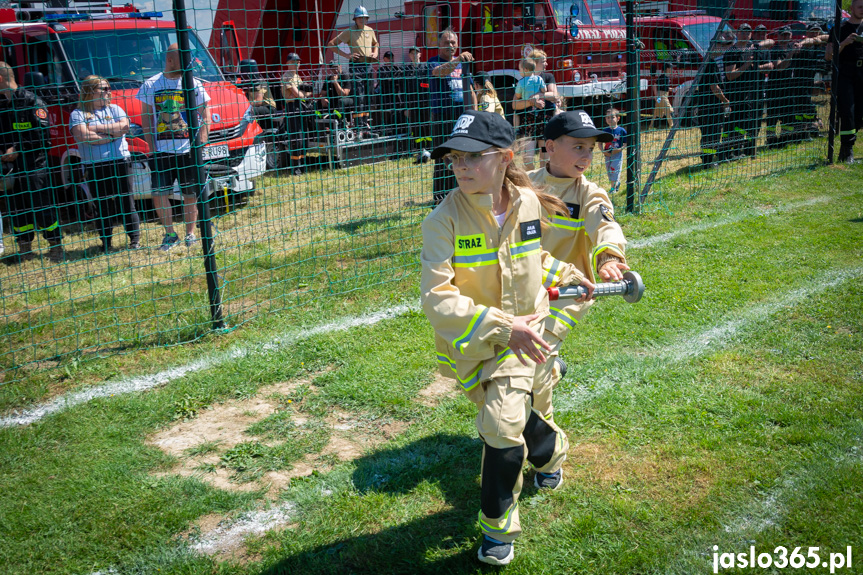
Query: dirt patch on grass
[[440, 388], [200, 443], [682, 482]]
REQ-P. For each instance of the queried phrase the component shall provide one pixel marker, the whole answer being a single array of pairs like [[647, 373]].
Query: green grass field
[[725, 409]]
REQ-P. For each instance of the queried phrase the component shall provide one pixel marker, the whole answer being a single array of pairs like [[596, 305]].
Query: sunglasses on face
[[105, 89]]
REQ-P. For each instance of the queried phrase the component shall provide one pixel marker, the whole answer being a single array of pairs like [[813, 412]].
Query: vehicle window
[[816, 10], [132, 55], [436, 20], [9, 53], [701, 34], [606, 12], [49, 60], [561, 12]]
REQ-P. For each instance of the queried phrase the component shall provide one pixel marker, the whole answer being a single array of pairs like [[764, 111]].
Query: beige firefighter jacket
[[580, 238], [477, 276]]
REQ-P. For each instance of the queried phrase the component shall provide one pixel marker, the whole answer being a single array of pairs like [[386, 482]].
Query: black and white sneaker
[[550, 481], [495, 552]]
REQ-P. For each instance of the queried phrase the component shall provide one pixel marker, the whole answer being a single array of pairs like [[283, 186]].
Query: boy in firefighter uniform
[[484, 280], [24, 155], [587, 236]]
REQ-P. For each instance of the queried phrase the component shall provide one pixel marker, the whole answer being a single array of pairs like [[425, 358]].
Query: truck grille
[[225, 134]]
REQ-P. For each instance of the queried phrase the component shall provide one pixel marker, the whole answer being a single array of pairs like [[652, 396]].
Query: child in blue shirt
[[529, 105], [613, 150]]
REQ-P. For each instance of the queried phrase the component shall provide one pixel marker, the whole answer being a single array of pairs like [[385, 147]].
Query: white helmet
[[361, 12]]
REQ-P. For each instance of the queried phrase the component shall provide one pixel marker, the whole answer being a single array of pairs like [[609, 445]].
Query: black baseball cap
[[814, 26], [477, 131], [761, 28], [785, 30], [576, 124], [388, 54], [293, 57], [744, 27]]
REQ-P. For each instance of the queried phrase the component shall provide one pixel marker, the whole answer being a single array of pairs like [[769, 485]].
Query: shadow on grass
[[356, 225], [442, 542]]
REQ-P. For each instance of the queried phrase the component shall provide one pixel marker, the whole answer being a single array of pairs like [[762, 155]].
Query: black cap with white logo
[[576, 124], [477, 131]]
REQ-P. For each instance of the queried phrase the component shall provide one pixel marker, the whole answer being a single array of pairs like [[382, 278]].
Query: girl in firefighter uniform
[[484, 280]]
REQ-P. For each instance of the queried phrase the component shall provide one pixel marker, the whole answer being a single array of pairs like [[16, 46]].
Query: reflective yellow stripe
[[847, 132], [472, 380], [26, 228], [563, 317], [506, 526], [524, 249], [566, 223], [475, 260], [550, 276], [461, 342], [601, 248], [52, 227]]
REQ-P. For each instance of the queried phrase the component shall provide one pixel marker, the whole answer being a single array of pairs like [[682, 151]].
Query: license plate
[[216, 152]]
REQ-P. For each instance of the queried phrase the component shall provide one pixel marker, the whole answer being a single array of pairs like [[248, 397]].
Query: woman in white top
[[100, 127]]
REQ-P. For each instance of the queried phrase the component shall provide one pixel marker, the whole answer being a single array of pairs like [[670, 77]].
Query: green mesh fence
[[315, 175]]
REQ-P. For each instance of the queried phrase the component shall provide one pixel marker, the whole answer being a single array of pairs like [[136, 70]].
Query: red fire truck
[[585, 39], [52, 49], [771, 13]]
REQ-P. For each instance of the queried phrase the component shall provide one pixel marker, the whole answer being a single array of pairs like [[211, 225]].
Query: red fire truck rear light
[[566, 63]]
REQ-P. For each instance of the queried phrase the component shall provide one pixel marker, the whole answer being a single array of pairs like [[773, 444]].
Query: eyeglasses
[[470, 160], [105, 89]]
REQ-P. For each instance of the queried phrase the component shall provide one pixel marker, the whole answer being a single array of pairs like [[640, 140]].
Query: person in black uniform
[[711, 103], [418, 104], [745, 67], [24, 133], [849, 84], [390, 82], [779, 85], [807, 61]]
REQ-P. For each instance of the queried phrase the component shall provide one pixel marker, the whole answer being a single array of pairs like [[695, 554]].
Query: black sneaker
[[495, 552], [548, 480], [561, 366]]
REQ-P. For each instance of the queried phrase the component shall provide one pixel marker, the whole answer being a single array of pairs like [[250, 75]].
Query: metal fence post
[[204, 224], [633, 116], [834, 81]]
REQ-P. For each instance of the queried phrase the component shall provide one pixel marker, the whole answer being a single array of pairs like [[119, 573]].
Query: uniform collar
[[485, 201], [555, 180]]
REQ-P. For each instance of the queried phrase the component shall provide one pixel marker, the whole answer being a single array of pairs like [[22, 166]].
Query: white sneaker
[[190, 240]]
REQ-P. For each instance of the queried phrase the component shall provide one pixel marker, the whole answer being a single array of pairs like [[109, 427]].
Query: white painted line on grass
[[746, 214], [146, 382], [692, 346], [228, 537]]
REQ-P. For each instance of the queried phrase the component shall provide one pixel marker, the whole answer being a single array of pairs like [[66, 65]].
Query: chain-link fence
[[304, 169]]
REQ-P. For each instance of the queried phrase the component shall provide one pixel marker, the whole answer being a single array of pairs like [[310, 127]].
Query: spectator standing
[[390, 83], [166, 131], [99, 128], [713, 105], [486, 95], [447, 102], [745, 67], [849, 84], [663, 107], [363, 45], [24, 154], [294, 96], [553, 100], [337, 99], [529, 102], [779, 84], [418, 103], [613, 150]]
